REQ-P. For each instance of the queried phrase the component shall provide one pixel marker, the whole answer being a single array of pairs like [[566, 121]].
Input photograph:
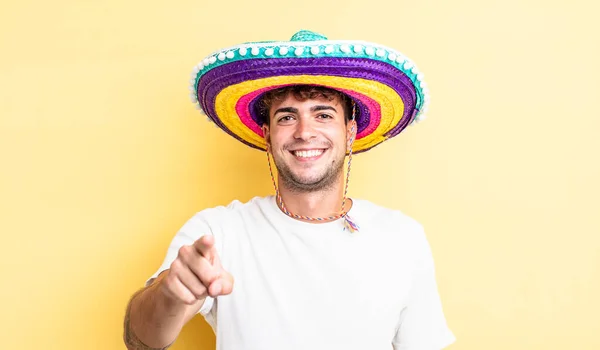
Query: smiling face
[[308, 139]]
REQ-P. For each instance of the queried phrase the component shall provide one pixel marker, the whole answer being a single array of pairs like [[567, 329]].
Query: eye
[[286, 119], [324, 116]]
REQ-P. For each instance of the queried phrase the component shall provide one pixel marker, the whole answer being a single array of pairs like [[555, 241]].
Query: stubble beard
[[296, 183]]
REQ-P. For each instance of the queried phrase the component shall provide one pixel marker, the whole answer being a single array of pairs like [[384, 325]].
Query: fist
[[197, 273]]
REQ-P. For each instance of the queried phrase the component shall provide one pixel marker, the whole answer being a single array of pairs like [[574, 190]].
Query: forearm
[[153, 320]]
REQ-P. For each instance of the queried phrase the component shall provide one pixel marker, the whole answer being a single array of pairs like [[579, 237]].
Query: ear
[[350, 134], [267, 136]]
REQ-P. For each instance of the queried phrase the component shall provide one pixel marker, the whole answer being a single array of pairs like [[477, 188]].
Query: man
[[313, 269]]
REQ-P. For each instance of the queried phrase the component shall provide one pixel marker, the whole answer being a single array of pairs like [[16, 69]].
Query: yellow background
[[103, 157]]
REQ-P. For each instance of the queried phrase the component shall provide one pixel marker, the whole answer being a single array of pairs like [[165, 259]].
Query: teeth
[[308, 153]]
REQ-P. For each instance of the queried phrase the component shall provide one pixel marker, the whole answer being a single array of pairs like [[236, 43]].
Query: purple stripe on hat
[[216, 79], [363, 117]]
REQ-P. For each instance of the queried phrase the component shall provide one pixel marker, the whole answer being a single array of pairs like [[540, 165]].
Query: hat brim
[[387, 98]]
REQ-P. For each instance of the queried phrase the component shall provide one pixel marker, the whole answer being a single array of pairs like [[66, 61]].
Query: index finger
[[205, 245]]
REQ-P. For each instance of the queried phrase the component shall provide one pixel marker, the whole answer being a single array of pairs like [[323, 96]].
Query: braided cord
[[287, 212]]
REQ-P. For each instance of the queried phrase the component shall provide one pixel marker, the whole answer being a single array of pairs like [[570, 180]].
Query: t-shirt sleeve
[[422, 322], [196, 227]]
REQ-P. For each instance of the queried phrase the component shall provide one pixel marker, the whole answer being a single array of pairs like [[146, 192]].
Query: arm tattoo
[[131, 340]]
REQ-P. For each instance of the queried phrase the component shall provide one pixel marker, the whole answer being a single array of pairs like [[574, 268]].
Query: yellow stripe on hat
[[392, 106]]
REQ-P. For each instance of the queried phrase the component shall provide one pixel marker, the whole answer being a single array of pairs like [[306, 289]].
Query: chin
[[307, 180]]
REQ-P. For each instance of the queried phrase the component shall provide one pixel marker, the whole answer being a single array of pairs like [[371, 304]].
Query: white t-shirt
[[313, 286]]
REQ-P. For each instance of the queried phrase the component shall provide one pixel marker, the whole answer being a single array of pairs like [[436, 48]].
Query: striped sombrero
[[387, 88]]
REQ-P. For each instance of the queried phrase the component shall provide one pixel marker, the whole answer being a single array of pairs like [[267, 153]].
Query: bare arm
[[156, 314], [153, 320]]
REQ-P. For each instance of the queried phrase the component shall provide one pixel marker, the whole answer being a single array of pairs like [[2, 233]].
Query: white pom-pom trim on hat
[[347, 47]]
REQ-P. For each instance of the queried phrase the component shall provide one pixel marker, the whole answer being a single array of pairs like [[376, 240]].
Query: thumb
[[222, 285]]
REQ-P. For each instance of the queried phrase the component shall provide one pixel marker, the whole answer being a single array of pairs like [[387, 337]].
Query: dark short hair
[[302, 93]]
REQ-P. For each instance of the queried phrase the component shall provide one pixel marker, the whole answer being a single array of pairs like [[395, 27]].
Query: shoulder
[[236, 208], [393, 219], [393, 224], [216, 220]]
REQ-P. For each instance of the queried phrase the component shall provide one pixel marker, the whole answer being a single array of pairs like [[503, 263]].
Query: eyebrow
[[312, 109], [286, 110], [322, 108]]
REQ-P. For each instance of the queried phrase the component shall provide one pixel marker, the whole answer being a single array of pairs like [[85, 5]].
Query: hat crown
[[307, 35]]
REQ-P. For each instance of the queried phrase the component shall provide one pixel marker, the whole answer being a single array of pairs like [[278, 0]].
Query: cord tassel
[[349, 224]]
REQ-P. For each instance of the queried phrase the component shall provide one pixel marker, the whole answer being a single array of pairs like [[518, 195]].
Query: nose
[[304, 130]]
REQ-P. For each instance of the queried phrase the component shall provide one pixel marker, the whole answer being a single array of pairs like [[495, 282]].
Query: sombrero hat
[[388, 90]]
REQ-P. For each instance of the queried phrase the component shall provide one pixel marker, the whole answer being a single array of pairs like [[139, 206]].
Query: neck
[[325, 203]]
